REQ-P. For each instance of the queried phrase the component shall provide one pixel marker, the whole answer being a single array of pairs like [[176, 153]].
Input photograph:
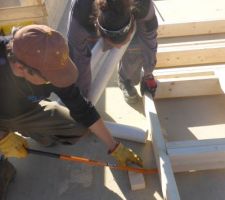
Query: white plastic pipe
[[106, 70], [102, 66], [97, 58], [127, 132]]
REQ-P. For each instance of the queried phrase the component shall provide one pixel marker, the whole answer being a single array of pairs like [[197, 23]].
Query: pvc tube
[[106, 70], [103, 65], [98, 57], [127, 132]]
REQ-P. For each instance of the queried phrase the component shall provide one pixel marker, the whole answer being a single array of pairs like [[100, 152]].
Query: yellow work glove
[[13, 145], [124, 155]]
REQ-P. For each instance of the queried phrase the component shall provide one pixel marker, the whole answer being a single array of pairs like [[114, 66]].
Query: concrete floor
[[183, 119]]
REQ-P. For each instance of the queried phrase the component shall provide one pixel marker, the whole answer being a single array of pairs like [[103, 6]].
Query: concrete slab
[[48, 178]]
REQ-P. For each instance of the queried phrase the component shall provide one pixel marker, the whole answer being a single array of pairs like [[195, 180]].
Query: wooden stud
[[197, 154], [175, 29], [29, 2], [137, 181], [187, 87], [28, 13], [168, 183], [191, 53], [197, 81]]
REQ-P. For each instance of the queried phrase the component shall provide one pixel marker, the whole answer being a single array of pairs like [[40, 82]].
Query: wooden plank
[[191, 10], [176, 29], [197, 154], [191, 53], [188, 86], [168, 183], [29, 2], [190, 71], [190, 81], [22, 13], [137, 181], [175, 21]]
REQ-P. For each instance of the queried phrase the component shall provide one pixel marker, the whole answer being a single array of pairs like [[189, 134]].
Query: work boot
[[7, 173], [129, 91], [149, 84]]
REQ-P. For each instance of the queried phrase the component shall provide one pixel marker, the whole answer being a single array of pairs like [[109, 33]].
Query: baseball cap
[[45, 50]]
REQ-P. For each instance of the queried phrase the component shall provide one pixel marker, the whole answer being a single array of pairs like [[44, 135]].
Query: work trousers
[[47, 123]]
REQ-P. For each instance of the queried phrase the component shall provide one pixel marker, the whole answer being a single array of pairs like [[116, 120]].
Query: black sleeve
[[80, 108]]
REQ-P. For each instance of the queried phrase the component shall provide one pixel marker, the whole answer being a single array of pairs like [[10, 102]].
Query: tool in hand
[[92, 162]]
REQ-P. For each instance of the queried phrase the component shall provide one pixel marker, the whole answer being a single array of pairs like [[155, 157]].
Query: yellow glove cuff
[[13, 145]]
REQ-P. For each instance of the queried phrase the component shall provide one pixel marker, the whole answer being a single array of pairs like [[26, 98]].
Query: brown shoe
[[7, 173]]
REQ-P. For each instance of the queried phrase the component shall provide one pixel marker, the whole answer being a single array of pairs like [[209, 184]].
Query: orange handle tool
[[92, 162]]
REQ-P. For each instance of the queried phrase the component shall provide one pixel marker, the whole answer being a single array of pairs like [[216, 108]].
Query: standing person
[[34, 62], [114, 20]]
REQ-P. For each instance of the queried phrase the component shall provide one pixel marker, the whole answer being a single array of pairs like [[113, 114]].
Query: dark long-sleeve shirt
[[18, 96]]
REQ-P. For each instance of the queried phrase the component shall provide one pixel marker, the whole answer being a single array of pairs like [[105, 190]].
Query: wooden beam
[[11, 14], [191, 53], [187, 87], [176, 29], [29, 2], [188, 71], [168, 183], [137, 181], [190, 81], [197, 154]]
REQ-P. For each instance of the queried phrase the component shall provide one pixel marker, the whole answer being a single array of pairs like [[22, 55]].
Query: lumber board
[[29, 2], [191, 53], [137, 181], [197, 154], [175, 21], [188, 71], [188, 87], [22, 13], [201, 27], [190, 81], [168, 183], [174, 10]]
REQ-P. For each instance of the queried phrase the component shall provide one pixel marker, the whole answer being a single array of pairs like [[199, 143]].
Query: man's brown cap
[[45, 49]]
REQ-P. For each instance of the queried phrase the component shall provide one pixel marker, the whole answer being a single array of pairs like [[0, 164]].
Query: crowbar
[[92, 162]]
